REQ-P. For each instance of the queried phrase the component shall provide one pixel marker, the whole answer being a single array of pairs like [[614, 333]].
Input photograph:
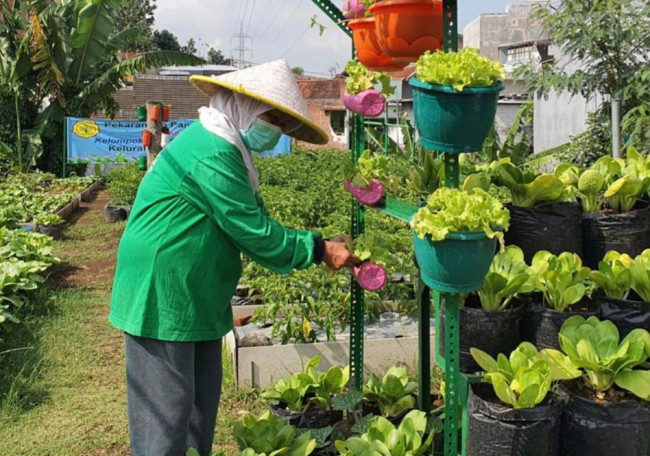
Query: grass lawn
[[62, 392]]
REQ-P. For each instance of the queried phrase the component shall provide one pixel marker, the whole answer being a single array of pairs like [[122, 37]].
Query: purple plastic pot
[[371, 276], [369, 103], [353, 9], [370, 195]]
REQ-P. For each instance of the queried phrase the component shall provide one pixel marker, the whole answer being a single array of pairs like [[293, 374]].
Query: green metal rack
[[456, 384]]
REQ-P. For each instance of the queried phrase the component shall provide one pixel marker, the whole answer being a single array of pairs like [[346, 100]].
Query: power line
[[250, 18], [297, 39], [238, 16], [266, 9], [284, 26], [272, 20]]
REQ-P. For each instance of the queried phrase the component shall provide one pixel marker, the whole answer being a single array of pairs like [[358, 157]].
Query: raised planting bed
[[393, 340]]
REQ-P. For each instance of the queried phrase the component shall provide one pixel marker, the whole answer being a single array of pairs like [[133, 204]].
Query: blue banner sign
[[96, 138]]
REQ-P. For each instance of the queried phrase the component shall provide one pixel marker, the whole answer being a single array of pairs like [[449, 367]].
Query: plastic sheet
[[625, 314], [498, 430], [555, 227], [626, 233], [594, 429], [493, 332], [313, 420]]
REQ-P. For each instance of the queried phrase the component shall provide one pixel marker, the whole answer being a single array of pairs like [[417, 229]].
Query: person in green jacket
[[178, 264]]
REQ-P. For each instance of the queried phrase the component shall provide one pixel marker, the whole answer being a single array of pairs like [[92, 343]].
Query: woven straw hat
[[272, 83]]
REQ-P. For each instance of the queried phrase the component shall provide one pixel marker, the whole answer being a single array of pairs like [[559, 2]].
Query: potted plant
[[374, 253], [306, 398], [363, 180], [392, 395], [353, 9], [543, 213], [50, 224], [451, 91], [360, 96], [455, 236], [518, 415], [562, 281], [406, 29], [366, 43], [122, 187], [615, 217], [383, 438], [617, 278], [270, 435], [490, 319], [607, 410]]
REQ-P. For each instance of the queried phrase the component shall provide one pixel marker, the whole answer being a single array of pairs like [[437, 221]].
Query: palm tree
[[76, 61]]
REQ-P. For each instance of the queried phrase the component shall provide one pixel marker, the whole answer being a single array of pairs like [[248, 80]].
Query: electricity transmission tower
[[243, 44]]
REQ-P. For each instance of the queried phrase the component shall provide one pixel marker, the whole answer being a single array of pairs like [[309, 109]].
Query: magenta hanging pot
[[371, 276], [369, 103], [353, 9], [370, 195]]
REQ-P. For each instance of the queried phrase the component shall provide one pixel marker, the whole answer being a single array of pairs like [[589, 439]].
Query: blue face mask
[[261, 136]]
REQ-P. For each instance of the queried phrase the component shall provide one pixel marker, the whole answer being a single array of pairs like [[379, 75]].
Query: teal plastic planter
[[452, 121], [457, 264]]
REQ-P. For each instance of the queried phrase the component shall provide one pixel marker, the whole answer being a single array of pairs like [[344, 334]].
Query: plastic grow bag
[[540, 326], [313, 420], [553, 227], [625, 314], [493, 332], [628, 232], [498, 430], [590, 428]]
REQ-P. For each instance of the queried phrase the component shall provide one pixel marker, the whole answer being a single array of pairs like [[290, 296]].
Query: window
[[337, 121]]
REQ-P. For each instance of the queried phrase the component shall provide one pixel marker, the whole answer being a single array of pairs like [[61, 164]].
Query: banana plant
[[523, 379], [508, 276], [594, 347], [561, 278]]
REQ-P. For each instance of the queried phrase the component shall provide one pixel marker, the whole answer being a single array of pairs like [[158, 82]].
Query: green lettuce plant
[[384, 439], [392, 393], [640, 271], [508, 276], [369, 166], [527, 189], [614, 275], [361, 78], [453, 210], [48, 219], [372, 247], [594, 347], [524, 379], [271, 436], [310, 389], [590, 186], [458, 69], [561, 278]]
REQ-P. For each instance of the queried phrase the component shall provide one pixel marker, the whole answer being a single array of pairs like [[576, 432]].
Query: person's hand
[[337, 255], [343, 238]]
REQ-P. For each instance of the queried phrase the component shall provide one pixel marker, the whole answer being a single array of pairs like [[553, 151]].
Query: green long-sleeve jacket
[[179, 262]]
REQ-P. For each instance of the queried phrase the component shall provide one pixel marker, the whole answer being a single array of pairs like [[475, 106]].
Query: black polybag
[[493, 332], [315, 419], [498, 430], [628, 232], [553, 227], [595, 429], [626, 314], [540, 326]]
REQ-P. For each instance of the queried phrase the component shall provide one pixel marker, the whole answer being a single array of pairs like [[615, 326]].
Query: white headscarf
[[228, 114]]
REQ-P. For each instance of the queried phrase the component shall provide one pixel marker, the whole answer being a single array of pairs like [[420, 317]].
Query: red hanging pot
[[155, 113], [146, 138], [165, 112], [367, 47], [369, 103], [370, 195], [371, 276], [408, 28]]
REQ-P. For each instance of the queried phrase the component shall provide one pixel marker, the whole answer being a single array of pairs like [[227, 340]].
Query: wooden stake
[[155, 127]]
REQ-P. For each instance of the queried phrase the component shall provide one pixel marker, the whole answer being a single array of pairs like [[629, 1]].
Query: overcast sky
[[276, 29]]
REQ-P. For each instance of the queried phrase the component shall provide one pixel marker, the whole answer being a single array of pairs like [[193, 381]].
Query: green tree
[[75, 63], [298, 71], [216, 57], [190, 47], [140, 14], [608, 39], [165, 40]]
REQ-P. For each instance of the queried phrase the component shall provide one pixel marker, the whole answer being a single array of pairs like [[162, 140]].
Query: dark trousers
[[173, 391]]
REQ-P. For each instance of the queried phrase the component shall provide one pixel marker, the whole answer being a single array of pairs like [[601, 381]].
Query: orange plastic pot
[[165, 112], [367, 47], [146, 138], [408, 28], [155, 113]]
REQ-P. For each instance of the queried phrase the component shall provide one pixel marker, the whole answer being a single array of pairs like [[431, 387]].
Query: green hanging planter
[[452, 121], [142, 113], [458, 264]]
